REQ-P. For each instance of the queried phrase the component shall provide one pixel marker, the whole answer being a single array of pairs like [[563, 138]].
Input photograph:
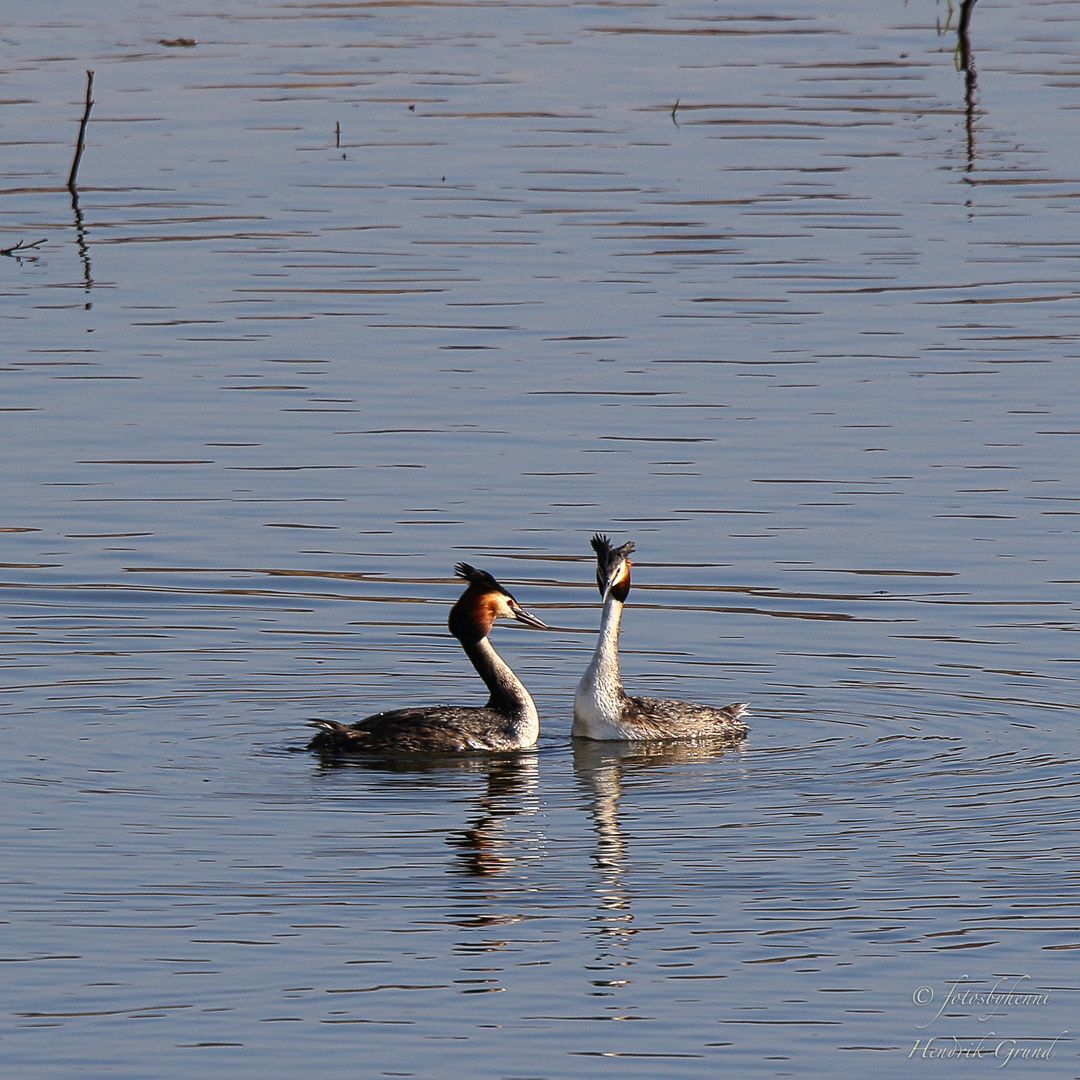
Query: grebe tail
[[603, 709], [508, 721]]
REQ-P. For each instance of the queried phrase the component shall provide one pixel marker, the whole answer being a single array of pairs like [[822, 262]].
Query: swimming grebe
[[507, 722], [602, 709]]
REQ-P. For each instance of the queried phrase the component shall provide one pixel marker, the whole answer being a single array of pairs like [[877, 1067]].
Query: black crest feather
[[478, 577], [608, 559], [601, 544]]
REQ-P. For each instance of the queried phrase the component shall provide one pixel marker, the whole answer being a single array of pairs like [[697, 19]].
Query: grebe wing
[[666, 719], [438, 729]]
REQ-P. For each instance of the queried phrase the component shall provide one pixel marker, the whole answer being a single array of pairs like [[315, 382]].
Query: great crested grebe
[[507, 722], [602, 709]]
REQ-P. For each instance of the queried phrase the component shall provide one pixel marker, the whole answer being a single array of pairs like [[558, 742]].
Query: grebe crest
[[603, 709], [508, 721], [612, 567]]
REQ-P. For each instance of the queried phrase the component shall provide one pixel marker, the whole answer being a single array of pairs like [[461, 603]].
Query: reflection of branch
[[82, 132], [966, 64], [80, 241]]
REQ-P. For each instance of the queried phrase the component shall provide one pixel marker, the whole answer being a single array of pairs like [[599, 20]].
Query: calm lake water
[[350, 292]]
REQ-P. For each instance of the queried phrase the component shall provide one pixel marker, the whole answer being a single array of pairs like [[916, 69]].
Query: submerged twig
[[81, 143]]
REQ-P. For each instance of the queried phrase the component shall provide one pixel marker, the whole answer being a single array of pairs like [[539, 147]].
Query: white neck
[[508, 694], [600, 692]]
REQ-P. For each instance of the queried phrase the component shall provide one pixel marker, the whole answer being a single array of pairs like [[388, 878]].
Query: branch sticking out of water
[[16, 249], [82, 132]]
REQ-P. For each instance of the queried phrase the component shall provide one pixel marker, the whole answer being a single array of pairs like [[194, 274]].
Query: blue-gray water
[[353, 291]]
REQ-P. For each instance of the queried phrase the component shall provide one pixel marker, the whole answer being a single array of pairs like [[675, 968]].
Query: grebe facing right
[[603, 710], [507, 722]]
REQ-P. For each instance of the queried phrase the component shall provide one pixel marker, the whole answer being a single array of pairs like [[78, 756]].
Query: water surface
[[347, 293]]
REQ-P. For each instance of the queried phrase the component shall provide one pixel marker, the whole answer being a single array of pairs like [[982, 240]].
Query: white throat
[[599, 696]]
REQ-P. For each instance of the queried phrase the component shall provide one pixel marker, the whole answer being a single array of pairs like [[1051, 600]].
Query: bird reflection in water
[[601, 768], [484, 848], [510, 791]]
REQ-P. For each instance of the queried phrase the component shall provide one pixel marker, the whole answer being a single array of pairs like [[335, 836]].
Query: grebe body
[[603, 709], [508, 721]]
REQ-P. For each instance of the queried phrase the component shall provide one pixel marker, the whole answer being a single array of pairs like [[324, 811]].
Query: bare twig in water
[[674, 110], [963, 40], [82, 132], [20, 246], [965, 16]]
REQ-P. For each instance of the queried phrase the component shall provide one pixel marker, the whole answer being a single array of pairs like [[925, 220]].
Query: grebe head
[[484, 601], [612, 567]]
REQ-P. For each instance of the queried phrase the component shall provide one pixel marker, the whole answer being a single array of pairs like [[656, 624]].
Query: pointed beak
[[606, 585], [527, 618]]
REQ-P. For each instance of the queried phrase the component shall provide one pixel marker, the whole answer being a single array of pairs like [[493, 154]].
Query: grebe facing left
[[603, 710], [507, 722]]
